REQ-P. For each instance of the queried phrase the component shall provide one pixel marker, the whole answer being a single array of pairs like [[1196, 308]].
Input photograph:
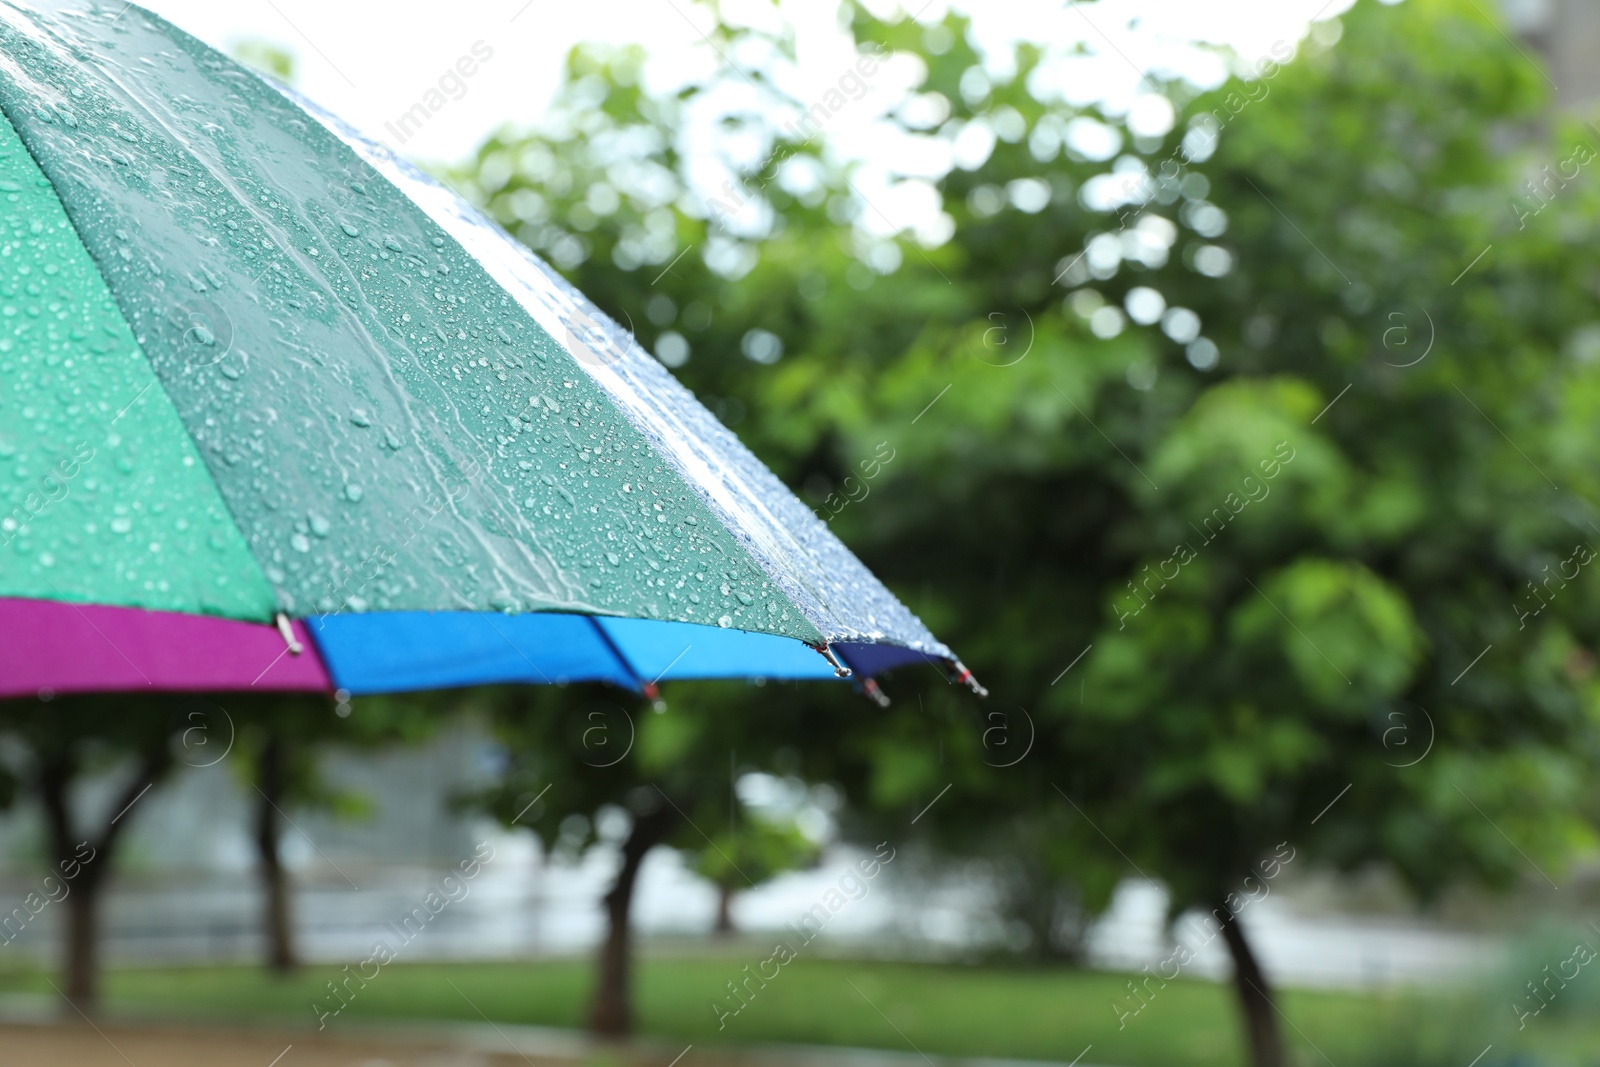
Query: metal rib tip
[[960, 675], [839, 669], [287, 632]]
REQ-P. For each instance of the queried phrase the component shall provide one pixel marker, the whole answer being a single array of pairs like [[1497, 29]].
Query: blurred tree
[[756, 849], [273, 60], [1274, 404], [576, 756], [1046, 890], [59, 742], [281, 739]]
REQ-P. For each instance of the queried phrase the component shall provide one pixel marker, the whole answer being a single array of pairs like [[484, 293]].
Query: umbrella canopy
[[254, 369]]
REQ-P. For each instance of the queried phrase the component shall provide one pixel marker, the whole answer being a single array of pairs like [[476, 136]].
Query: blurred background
[[1222, 380]]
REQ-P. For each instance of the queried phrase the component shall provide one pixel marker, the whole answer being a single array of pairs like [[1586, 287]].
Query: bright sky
[[371, 62]]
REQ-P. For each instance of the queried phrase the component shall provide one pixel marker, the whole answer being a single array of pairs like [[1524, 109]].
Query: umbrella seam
[[616, 650], [99, 272]]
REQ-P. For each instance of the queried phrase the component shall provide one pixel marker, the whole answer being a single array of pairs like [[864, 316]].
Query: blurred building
[[1567, 32]]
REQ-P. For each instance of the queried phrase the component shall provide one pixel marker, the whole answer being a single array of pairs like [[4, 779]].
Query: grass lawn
[[936, 1008]]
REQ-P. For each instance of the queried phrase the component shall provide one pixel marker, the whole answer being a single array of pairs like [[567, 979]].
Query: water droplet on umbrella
[[327, 340]]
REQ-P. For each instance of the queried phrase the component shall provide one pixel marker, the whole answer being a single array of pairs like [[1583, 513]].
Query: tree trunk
[[724, 926], [82, 964], [277, 925], [1255, 996], [612, 1014], [84, 867], [80, 969]]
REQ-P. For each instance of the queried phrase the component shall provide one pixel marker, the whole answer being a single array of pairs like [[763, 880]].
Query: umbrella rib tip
[[964, 676], [287, 632], [839, 669]]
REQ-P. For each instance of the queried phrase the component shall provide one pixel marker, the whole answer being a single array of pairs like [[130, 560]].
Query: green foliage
[[1304, 528], [571, 752], [756, 849], [305, 727], [268, 58]]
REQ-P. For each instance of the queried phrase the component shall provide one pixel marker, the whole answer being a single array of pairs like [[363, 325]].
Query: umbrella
[[279, 411]]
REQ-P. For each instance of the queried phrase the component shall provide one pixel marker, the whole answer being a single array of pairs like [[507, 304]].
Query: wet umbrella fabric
[[253, 367]]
